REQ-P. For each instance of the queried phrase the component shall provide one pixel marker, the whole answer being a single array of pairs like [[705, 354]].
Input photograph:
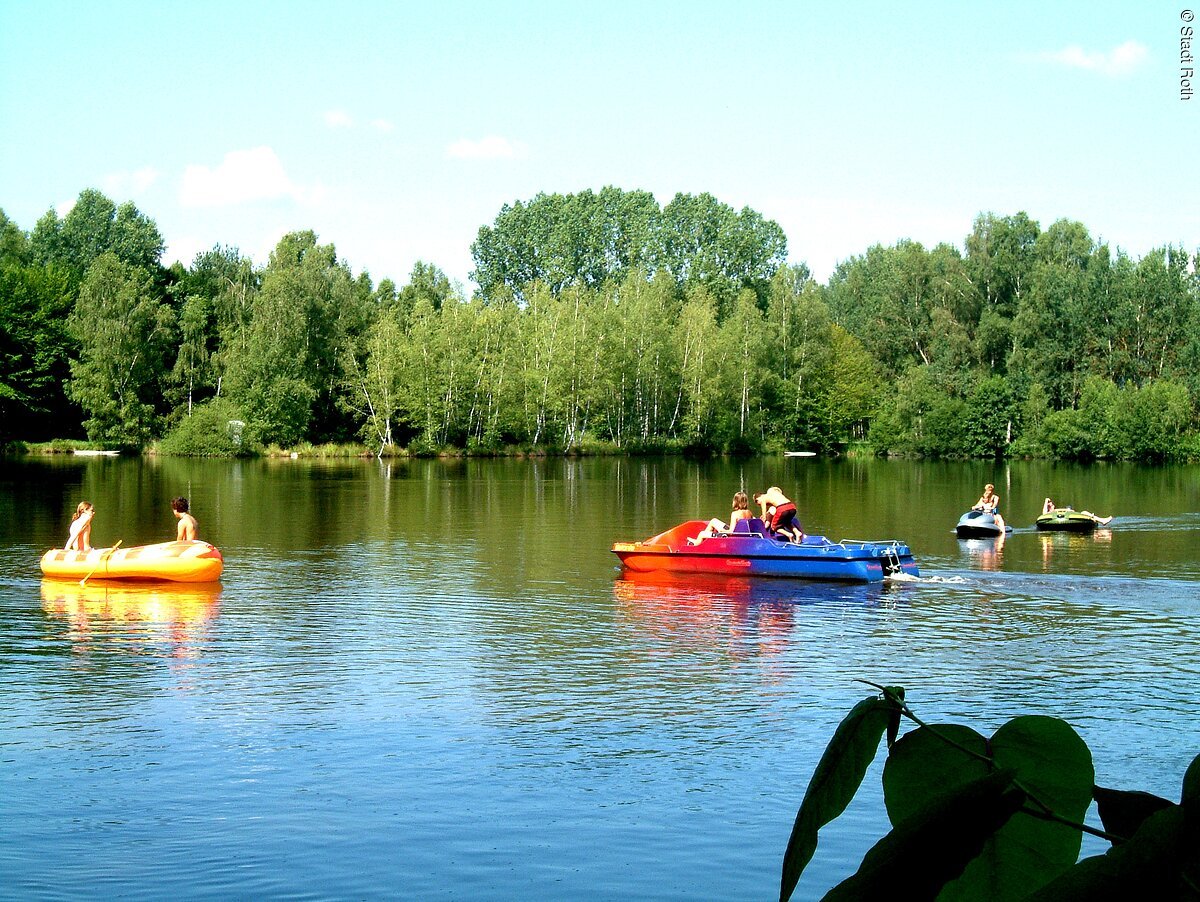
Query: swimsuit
[[785, 518]]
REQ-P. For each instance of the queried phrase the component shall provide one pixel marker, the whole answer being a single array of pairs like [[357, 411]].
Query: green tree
[[14, 244], [35, 350], [854, 390], [193, 372], [230, 284], [124, 333], [884, 299], [1149, 423], [741, 374], [988, 418], [704, 243], [699, 365], [375, 389], [95, 226], [308, 315], [641, 360], [580, 239], [999, 260]]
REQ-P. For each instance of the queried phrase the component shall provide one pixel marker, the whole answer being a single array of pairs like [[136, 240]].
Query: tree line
[[603, 321]]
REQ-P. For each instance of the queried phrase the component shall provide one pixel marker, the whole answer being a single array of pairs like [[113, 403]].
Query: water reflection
[[754, 615], [133, 617], [984, 554], [1069, 542]]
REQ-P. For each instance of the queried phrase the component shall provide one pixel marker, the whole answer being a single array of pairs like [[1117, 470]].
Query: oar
[[103, 558]]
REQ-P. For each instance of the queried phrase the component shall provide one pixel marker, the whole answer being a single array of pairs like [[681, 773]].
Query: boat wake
[[943, 580]]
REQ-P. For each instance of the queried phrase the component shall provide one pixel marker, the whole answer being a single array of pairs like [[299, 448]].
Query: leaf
[[1055, 766], [1049, 759], [1158, 862], [1191, 784], [838, 775], [1123, 812], [925, 851], [925, 764]]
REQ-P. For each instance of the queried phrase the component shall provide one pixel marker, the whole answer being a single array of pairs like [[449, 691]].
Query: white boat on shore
[[799, 453], [90, 452]]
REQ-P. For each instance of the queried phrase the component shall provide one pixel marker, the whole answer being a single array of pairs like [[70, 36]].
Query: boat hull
[[756, 554], [1066, 521], [185, 562], [979, 525]]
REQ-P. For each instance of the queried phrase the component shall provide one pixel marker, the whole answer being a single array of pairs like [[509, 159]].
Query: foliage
[[212, 429], [586, 240], [35, 347], [997, 817], [603, 320], [95, 226], [123, 332]]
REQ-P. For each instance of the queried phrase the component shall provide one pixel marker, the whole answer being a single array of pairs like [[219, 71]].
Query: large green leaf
[[838, 775], [1055, 766], [1158, 862], [924, 851], [1123, 811], [924, 765], [1048, 758]]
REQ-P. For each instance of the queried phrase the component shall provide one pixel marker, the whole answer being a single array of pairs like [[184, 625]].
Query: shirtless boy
[[187, 523]]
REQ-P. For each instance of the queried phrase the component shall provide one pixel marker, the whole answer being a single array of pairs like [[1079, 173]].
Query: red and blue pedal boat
[[751, 550]]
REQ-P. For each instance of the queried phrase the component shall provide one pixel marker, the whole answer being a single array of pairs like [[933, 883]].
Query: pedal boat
[[1067, 520], [979, 525], [751, 551], [183, 562]]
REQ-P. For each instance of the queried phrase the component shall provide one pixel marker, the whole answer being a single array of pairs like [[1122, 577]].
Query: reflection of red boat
[[750, 551], [728, 615], [713, 589]]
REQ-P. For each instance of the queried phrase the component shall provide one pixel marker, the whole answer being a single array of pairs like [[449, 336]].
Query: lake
[[430, 680]]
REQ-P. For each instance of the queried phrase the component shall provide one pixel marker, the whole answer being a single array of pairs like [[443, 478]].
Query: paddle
[[103, 558]]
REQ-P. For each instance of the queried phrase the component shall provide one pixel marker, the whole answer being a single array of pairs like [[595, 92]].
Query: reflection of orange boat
[[187, 562], [168, 603]]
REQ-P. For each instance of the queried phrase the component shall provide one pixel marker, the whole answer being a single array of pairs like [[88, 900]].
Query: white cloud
[[243, 176], [130, 184], [183, 250], [1120, 60], [492, 147], [63, 207], [822, 231], [338, 119], [382, 125]]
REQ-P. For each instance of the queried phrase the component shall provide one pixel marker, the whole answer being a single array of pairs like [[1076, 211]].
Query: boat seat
[[749, 526]]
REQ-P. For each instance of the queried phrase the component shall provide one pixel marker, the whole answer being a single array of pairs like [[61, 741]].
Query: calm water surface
[[429, 680]]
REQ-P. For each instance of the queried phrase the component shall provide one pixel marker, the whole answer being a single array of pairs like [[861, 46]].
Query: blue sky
[[395, 130]]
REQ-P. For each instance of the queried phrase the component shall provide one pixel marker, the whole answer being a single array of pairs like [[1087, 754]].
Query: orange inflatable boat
[[184, 562]]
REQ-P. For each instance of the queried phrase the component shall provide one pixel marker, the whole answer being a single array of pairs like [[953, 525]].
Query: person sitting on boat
[[779, 513], [187, 523], [989, 503], [1050, 506], [80, 537], [715, 527]]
